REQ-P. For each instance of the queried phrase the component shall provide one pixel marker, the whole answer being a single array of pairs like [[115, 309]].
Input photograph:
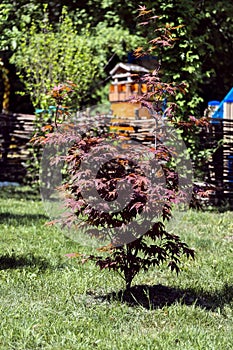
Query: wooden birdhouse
[[124, 86]]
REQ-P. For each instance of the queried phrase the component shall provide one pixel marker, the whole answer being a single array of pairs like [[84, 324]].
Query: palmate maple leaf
[[143, 23], [138, 52], [162, 41], [106, 248], [73, 255], [143, 11]]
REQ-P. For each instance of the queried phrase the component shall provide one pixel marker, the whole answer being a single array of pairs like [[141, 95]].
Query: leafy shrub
[[47, 56], [132, 245]]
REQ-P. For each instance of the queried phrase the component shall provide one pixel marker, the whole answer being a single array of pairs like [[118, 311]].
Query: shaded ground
[[23, 261], [157, 296], [21, 219], [18, 192]]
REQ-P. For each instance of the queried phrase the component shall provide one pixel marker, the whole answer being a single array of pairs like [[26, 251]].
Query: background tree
[[202, 55], [35, 36], [45, 57], [205, 40]]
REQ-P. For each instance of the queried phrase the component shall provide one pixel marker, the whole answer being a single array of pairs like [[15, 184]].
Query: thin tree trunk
[[128, 279]]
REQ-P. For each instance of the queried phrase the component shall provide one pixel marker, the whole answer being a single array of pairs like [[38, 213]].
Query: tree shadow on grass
[[158, 296], [20, 192], [23, 261], [21, 219]]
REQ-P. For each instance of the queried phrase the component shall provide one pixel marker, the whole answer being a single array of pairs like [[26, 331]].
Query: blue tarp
[[219, 111]]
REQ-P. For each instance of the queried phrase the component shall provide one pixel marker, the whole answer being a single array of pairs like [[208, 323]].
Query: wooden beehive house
[[123, 88], [129, 118]]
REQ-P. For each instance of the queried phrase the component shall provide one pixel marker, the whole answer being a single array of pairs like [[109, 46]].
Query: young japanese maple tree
[[129, 248]]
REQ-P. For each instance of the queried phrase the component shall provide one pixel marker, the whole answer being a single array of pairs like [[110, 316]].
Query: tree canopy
[[201, 56]]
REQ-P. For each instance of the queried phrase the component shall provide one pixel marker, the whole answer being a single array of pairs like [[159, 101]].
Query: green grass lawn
[[48, 301]]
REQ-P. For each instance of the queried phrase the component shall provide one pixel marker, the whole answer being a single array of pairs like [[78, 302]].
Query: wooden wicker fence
[[15, 133], [17, 129], [219, 169]]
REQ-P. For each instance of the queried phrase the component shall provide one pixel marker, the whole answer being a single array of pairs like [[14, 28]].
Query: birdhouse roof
[[122, 68]]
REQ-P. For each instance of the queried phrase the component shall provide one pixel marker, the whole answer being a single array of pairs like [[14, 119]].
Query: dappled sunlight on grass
[[48, 301]]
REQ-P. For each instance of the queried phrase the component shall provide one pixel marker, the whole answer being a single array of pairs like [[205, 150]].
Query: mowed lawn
[[48, 301]]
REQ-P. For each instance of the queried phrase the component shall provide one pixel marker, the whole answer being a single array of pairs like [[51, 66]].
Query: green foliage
[[46, 57], [48, 54], [108, 40], [206, 36], [16, 17]]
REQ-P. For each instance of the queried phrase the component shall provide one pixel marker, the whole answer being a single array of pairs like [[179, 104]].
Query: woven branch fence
[[15, 133], [17, 129]]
